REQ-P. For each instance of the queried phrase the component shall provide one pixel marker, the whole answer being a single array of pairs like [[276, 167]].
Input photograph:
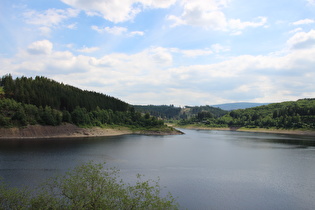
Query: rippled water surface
[[204, 169]]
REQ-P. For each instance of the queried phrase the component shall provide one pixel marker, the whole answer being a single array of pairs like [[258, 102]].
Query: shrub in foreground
[[89, 186]]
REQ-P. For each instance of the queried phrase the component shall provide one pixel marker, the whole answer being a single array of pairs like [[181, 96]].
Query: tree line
[[42, 91], [171, 112], [288, 115], [26, 101], [161, 111]]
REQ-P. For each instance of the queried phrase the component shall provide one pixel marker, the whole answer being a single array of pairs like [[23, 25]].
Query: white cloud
[[302, 40], [295, 30], [40, 47], [209, 15], [50, 17], [111, 10], [237, 24], [204, 13], [88, 49], [152, 76], [191, 53], [136, 33], [117, 30], [160, 55], [304, 21], [117, 11], [157, 3], [72, 26]]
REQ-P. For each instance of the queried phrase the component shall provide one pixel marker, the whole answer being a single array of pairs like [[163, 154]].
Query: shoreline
[[70, 131], [254, 130], [60, 131]]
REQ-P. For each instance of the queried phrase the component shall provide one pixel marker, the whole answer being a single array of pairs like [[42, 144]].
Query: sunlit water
[[204, 169]]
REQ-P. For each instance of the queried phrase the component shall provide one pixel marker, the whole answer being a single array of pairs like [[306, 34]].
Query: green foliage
[[1, 91], [42, 91], [176, 113], [13, 198], [18, 114], [163, 111], [46, 102], [89, 186], [287, 115], [215, 112]]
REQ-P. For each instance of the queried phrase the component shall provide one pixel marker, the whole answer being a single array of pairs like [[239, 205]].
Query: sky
[[181, 52]]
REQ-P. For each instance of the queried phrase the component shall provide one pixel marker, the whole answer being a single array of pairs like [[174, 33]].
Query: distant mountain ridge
[[239, 105]]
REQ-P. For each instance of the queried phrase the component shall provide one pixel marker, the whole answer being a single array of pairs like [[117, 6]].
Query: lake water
[[204, 169]]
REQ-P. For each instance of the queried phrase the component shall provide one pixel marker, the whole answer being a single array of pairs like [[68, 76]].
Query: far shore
[[70, 131], [257, 130]]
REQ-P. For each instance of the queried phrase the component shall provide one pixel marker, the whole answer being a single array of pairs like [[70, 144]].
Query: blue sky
[[179, 52]]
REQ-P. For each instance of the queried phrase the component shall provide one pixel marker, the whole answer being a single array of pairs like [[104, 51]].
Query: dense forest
[[176, 113], [287, 115], [162, 111], [42, 91], [239, 105], [25, 101]]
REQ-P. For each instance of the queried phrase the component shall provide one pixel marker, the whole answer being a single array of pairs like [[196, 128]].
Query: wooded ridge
[[27, 101], [298, 114]]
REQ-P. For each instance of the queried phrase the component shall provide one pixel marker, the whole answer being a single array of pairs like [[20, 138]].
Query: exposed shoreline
[[70, 131], [255, 130]]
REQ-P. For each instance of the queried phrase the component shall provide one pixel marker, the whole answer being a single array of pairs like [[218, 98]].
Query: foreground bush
[[89, 186]]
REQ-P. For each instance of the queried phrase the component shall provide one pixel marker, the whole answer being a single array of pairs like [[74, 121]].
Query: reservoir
[[204, 169]]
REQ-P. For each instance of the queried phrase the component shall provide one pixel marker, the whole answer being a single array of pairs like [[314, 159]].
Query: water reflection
[[205, 169]]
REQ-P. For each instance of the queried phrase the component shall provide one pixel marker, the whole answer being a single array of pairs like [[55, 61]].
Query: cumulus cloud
[[209, 15], [152, 76], [159, 55], [204, 13], [117, 11], [302, 40], [303, 22], [40, 47]]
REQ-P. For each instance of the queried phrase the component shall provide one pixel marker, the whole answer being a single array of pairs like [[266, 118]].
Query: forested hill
[[162, 111], [175, 113], [288, 115], [42, 91], [25, 101], [241, 105]]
